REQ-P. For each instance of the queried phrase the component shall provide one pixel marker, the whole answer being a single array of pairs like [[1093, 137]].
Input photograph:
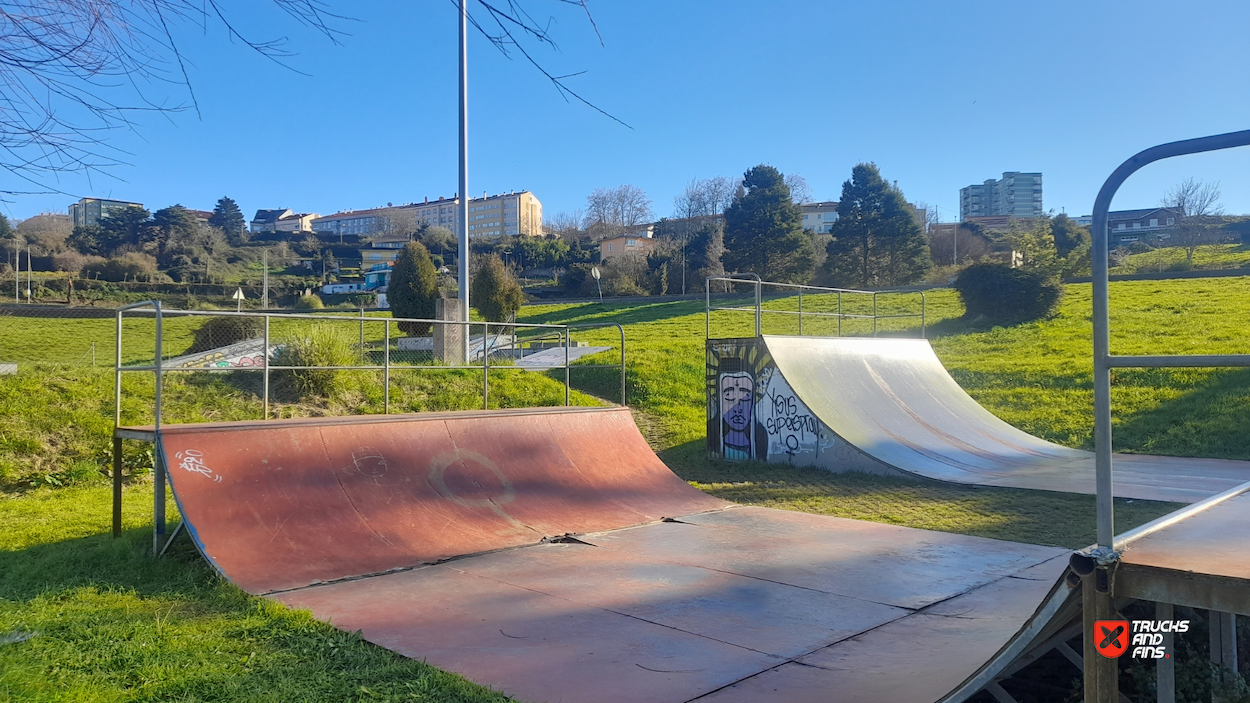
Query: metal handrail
[[759, 308], [1104, 361]]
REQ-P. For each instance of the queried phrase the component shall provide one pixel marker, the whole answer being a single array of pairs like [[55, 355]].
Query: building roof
[[823, 205], [270, 215], [351, 214]]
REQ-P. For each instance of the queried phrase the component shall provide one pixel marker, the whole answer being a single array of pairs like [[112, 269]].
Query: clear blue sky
[[939, 94]]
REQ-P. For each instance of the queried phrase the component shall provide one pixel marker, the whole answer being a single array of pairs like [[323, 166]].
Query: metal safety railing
[[1098, 564], [477, 346], [794, 292]]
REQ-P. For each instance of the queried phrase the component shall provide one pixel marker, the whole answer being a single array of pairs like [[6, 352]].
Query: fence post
[[568, 378], [839, 313], [265, 382], [874, 314], [117, 487], [486, 366], [759, 306], [800, 312], [386, 368]]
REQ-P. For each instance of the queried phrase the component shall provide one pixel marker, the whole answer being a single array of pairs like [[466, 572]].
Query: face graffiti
[[737, 400]]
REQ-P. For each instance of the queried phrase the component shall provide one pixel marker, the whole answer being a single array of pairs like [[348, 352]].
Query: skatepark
[[550, 554]]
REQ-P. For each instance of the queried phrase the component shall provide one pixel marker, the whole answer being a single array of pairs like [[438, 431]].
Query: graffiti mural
[[793, 431], [752, 411], [242, 355], [733, 393]]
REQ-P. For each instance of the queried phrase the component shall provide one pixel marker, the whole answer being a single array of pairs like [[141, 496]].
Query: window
[[1154, 222], [1120, 226], [1128, 239], [609, 246], [1171, 221], [629, 242]]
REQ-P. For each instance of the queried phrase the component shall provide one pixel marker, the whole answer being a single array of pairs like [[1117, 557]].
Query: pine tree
[[413, 288], [764, 230], [704, 252], [495, 294], [228, 218], [876, 241]]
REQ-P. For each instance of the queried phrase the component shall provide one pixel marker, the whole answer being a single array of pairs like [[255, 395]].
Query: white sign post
[[594, 271], [238, 297]]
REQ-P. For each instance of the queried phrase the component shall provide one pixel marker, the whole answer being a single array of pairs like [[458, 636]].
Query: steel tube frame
[[1101, 674], [1103, 360]]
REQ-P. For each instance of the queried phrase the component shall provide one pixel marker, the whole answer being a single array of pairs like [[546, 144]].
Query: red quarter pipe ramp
[[435, 536]]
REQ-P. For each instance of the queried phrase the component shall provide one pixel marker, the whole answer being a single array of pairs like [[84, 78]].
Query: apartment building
[[88, 211], [517, 212], [1016, 194]]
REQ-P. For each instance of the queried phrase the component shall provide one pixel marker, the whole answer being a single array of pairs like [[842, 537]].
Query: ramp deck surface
[[445, 537], [894, 401]]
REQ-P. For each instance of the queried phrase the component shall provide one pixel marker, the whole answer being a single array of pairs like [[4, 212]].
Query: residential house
[[383, 249], [819, 217], [638, 243], [267, 220], [1149, 225]]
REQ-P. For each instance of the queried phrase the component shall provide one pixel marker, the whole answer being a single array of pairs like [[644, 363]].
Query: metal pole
[[265, 373], [1165, 668], [568, 376], [386, 369], [874, 314], [117, 487], [486, 366], [839, 313], [160, 357], [707, 308], [264, 303], [362, 329], [924, 332], [462, 207], [158, 501], [622, 330], [800, 312], [759, 306]]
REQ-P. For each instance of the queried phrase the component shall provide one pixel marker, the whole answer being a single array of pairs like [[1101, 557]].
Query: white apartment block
[[517, 212]]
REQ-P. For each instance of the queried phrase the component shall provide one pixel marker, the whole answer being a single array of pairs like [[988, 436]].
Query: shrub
[[309, 302], [129, 266], [223, 331], [413, 288], [323, 345], [495, 294], [1000, 294], [1182, 265]]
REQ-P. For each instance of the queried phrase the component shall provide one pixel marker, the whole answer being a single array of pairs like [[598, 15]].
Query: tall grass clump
[[320, 345]]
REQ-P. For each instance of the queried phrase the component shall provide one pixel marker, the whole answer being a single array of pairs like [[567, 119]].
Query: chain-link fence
[[229, 365], [747, 307]]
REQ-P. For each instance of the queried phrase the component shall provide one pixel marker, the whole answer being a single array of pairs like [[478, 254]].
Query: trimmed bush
[[309, 302], [413, 289], [322, 345], [495, 293], [1000, 294], [223, 331]]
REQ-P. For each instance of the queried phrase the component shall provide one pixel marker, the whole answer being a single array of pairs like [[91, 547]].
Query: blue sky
[[939, 94]]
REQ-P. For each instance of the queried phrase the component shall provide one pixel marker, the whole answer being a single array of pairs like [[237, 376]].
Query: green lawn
[[116, 625], [1206, 257]]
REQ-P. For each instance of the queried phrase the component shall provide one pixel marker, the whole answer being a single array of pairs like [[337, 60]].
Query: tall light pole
[[462, 205]]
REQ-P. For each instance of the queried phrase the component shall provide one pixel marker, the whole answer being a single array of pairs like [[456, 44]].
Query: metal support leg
[[158, 505], [117, 487], [1165, 669], [1102, 683], [1223, 638]]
